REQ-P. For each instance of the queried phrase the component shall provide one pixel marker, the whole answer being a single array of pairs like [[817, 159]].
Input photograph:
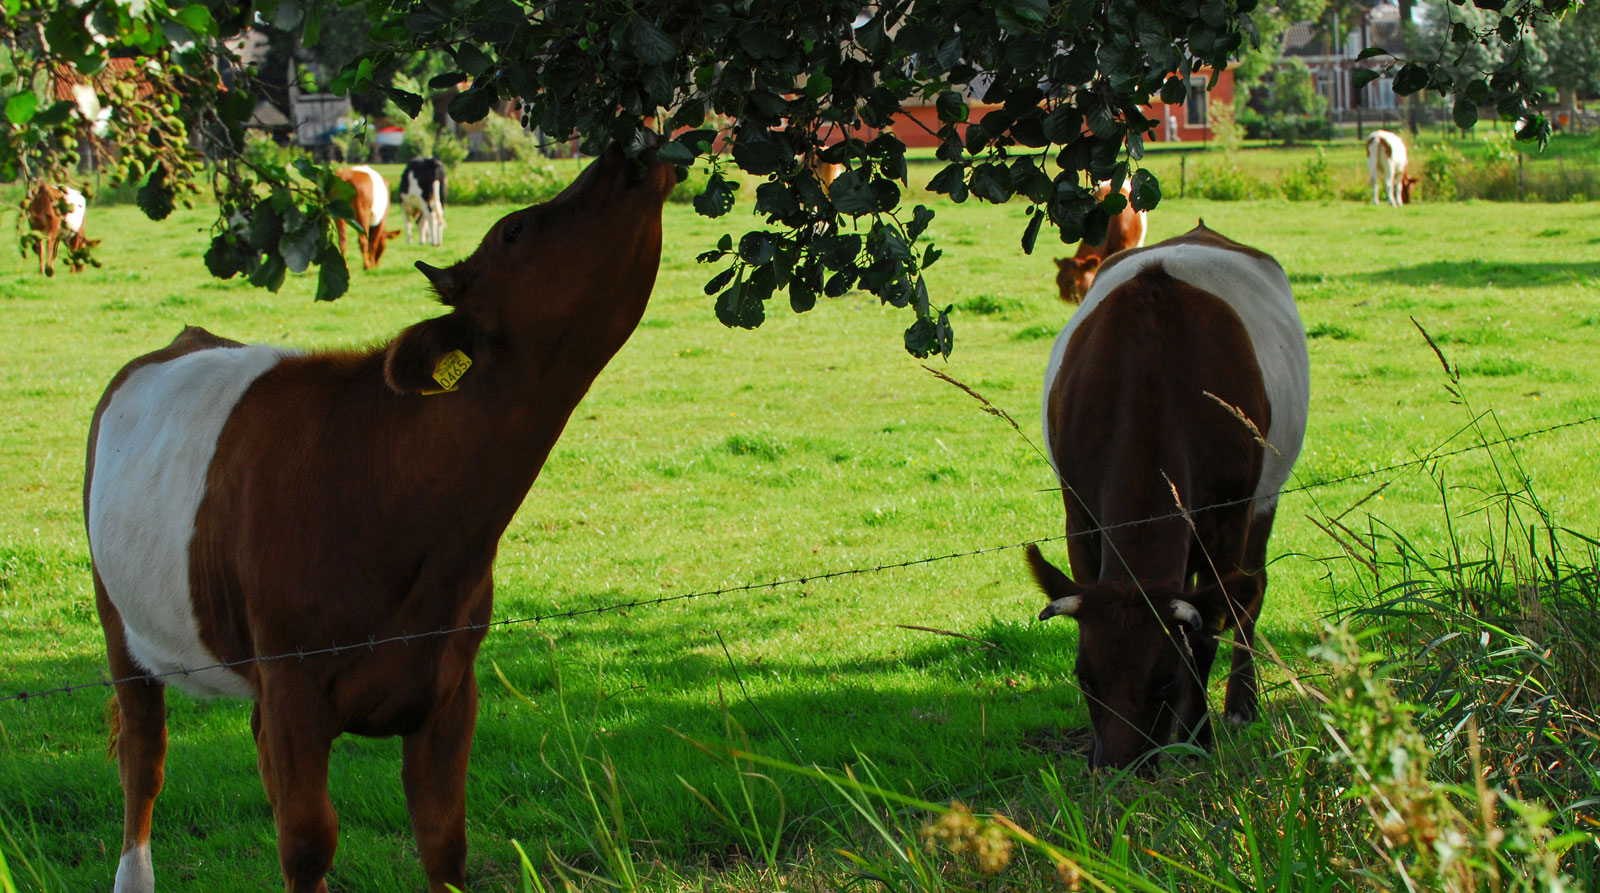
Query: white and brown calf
[[1127, 230], [58, 213], [1386, 167], [245, 502], [371, 206]]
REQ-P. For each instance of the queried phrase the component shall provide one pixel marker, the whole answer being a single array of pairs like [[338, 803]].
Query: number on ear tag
[[451, 367]]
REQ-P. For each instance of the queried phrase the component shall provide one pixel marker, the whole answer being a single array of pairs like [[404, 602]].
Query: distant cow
[[422, 199], [1134, 422], [57, 213], [1075, 274], [278, 511], [371, 206], [1386, 165]]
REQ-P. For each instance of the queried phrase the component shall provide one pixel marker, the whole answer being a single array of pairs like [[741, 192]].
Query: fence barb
[[404, 637]]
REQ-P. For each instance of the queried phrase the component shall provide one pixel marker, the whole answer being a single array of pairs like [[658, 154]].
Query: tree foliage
[[796, 85]]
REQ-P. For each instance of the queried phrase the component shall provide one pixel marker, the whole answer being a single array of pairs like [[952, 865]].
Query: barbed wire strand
[[407, 638]]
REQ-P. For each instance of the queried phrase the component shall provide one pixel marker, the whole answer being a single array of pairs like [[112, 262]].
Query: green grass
[[705, 458]]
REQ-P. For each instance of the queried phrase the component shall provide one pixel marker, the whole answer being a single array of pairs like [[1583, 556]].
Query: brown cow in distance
[[244, 503], [1169, 496], [57, 213], [371, 205], [1127, 230]]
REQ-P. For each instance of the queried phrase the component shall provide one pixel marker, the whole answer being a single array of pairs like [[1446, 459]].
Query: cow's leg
[[338, 224], [293, 739], [1240, 702], [141, 743], [1194, 717], [434, 770]]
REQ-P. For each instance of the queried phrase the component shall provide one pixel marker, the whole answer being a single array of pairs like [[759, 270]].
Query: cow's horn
[[1187, 613], [443, 282], [1067, 606]]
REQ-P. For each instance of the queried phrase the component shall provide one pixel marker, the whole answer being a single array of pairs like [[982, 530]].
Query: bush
[[1311, 181], [516, 182], [1225, 181]]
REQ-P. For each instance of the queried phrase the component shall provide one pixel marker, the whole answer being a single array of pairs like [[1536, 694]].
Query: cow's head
[[1074, 275], [1136, 655], [554, 289], [1408, 188], [378, 238]]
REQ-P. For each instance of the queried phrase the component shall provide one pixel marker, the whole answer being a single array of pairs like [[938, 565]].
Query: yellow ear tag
[[448, 372]]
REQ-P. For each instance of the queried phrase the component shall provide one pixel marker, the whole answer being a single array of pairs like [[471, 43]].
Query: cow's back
[[1256, 288], [151, 443], [376, 194]]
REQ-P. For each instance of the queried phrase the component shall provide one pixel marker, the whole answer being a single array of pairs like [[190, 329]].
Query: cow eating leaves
[[246, 503]]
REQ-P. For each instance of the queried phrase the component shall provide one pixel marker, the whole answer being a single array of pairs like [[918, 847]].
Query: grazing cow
[[1386, 165], [58, 213], [246, 502], [1131, 428], [422, 199], [1075, 274], [371, 205]]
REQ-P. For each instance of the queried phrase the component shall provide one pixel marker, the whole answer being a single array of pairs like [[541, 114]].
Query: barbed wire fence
[[1438, 453]]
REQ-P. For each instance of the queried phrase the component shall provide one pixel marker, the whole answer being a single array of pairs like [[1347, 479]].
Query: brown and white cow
[[1127, 230], [57, 213], [1386, 166], [244, 502], [1131, 430], [371, 205]]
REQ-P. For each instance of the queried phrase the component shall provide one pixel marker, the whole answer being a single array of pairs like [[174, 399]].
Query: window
[[1195, 105]]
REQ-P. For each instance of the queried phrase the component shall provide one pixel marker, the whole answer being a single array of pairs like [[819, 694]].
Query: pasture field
[[705, 459]]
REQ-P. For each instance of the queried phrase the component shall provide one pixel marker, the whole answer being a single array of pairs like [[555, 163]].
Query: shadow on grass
[[1480, 273]]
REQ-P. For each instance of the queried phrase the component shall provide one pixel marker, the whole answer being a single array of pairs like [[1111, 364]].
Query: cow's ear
[[1065, 596], [413, 362], [1061, 262], [1091, 263]]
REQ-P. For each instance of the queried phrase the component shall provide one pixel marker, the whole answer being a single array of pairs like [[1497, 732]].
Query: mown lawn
[[706, 458]]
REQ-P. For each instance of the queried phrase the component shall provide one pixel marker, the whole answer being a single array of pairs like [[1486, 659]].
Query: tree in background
[[799, 83]]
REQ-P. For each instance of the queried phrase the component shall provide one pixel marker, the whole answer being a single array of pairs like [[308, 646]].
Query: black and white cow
[[422, 199]]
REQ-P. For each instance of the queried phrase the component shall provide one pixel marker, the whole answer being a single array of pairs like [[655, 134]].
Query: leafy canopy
[[774, 88]]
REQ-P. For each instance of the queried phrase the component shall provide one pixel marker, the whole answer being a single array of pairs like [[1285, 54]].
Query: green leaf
[[650, 44], [224, 259], [1030, 234], [991, 183], [851, 194], [716, 200], [1369, 52], [1363, 76], [1144, 190], [1464, 113], [952, 107], [447, 80], [756, 247], [300, 247], [20, 108], [759, 155], [56, 113], [333, 277], [197, 19], [676, 153], [270, 274], [311, 34], [741, 307], [470, 106], [951, 181], [472, 60], [409, 102], [155, 196], [1412, 77]]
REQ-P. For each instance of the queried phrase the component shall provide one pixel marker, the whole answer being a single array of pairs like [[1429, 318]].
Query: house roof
[[65, 77]]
